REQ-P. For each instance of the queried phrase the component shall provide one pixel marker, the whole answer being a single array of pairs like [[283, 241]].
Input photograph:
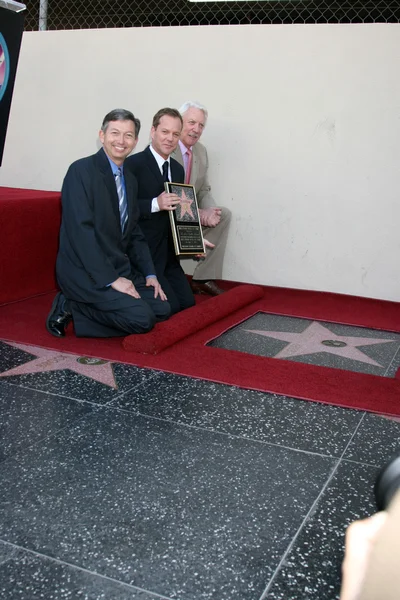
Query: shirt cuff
[[147, 276], [154, 206]]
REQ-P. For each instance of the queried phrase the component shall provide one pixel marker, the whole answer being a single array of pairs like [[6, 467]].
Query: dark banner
[[11, 28]]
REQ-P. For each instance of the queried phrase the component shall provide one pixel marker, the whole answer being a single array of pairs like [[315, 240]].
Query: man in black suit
[[152, 168], [104, 267]]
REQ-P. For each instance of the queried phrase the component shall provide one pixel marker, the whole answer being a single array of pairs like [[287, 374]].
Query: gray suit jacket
[[199, 174]]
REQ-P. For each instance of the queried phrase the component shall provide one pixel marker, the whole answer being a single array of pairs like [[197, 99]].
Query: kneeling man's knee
[[140, 321], [226, 215], [163, 310], [148, 323]]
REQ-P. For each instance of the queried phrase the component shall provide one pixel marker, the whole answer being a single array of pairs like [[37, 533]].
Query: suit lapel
[[175, 172], [129, 194], [177, 155], [195, 166], [109, 180], [153, 166]]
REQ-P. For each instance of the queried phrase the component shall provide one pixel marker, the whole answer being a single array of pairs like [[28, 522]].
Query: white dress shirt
[[160, 161]]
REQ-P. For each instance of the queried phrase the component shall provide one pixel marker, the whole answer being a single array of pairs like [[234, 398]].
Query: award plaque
[[185, 221]]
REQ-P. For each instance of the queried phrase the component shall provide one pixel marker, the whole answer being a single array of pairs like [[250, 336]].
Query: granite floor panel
[[185, 513], [11, 357], [376, 442], [308, 426], [373, 357], [29, 417], [26, 576], [394, 365], [124, 483], [311, 570]]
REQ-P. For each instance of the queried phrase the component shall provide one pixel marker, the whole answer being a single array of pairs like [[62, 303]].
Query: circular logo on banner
[[4, 66]]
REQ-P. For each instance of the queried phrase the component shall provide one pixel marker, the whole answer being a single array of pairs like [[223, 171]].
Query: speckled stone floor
[[315, 343], [124, 483]]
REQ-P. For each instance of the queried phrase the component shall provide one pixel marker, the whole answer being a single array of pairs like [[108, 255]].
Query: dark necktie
[[165, 171], [123, 209]]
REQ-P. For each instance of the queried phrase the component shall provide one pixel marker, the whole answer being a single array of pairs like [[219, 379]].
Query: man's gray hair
[[120, 114], [193, 104]]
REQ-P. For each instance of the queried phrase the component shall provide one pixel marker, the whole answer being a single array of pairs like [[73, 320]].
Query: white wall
[[303, 135]]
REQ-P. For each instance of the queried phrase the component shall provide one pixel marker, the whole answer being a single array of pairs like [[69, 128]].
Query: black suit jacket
[[93, 250], [155, 226]]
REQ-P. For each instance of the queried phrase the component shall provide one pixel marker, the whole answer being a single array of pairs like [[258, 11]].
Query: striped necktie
[[123, 208]]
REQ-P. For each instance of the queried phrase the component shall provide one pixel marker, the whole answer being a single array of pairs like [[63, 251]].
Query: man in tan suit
[[192, 155]]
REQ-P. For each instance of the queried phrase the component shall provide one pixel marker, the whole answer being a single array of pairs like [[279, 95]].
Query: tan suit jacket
[[199, 174], [211, 267]]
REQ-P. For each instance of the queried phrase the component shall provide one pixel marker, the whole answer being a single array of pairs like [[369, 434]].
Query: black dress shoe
[[59, 317], [206, 287]]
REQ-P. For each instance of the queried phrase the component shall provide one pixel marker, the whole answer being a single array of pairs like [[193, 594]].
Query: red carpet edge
[[194, 319]]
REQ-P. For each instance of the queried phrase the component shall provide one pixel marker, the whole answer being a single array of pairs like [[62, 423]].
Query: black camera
[[387, 483]]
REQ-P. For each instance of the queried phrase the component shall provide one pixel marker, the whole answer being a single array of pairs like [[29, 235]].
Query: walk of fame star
[[49, 360], [317, 338], [186, 205]]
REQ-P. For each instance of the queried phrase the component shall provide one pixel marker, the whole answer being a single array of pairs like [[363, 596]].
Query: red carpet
[[24, 322], [194, 319], [29, 226]]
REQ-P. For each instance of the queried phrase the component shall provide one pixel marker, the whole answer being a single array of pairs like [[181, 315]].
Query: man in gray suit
[[192, 155]]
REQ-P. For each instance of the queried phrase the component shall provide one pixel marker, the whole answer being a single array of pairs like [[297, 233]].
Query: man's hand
[[158, 291], [125, 286], [210, 217], [168, 201], [360, 539], [207, 244]]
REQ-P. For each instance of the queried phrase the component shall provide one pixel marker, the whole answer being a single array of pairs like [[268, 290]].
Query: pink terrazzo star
[[49, 360], [396, 419], [310, 341], [186, 206]]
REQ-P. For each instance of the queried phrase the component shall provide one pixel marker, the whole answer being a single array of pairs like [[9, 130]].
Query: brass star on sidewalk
[[49, 360], [317, 338]]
